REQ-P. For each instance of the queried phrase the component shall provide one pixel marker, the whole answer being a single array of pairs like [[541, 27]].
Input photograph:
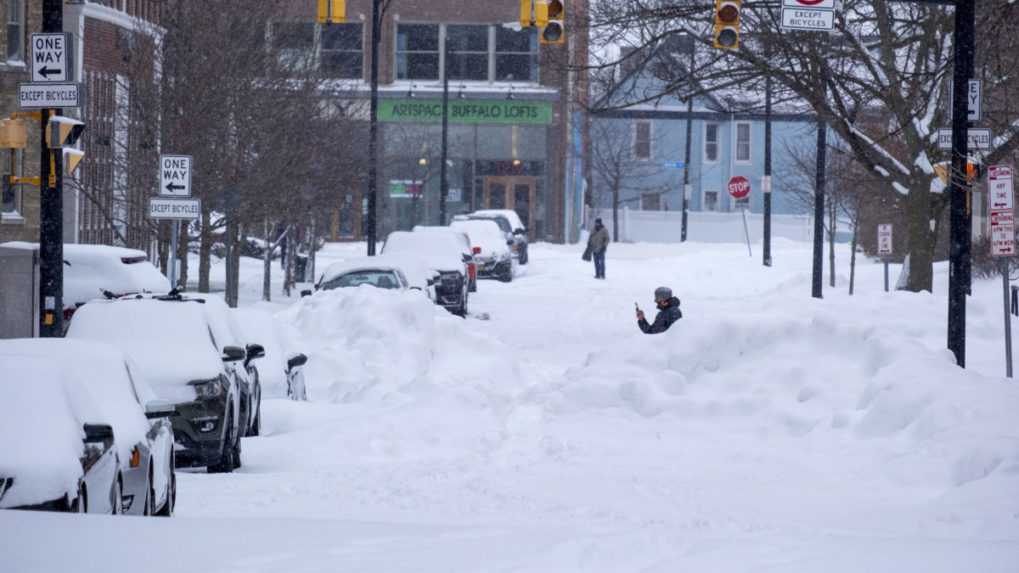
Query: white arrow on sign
[[175, 175], [50, 57]]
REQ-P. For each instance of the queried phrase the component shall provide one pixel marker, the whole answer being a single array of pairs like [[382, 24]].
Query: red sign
[[739, 187], [1002, 233]]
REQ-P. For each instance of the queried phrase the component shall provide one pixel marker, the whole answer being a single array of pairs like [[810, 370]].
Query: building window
[[711, 143], [10, 197], [711, 200], [651, 202], [516, 55], [342, 54], [642, 140], [417, 52], [468, 52], [743, 142], [16, 31], [293, 36]]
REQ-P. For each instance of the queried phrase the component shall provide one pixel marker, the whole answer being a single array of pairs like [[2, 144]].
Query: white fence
[[703, 227]]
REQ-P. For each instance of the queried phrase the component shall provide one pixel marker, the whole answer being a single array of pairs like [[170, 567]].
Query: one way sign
[[175, 175], [51, 61]]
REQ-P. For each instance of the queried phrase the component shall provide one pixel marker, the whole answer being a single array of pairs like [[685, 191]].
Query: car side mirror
[[296, 361], [233, 354], [520, 232], [468, 258], [306, 292], [98, 433], [255, 351], [160, 409]]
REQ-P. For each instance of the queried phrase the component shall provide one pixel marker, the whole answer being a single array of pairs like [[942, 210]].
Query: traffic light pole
[[958, 277], [689, 139], [767, 171], [373, 131], [51, 217], [443, 175], [819, 183]]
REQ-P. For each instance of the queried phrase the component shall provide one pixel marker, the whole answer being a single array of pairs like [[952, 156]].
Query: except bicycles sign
[[809, 15]]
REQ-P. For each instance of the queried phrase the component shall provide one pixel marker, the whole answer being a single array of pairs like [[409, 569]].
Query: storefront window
[[516, 55], [468, 52], [293, 35], [417, 52], [342, 53], [15, 30]]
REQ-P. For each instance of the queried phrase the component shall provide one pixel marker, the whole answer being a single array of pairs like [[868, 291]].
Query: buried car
[[442, 253], [491, 248], [385, 272], [510, 223], [172, 342], [74, 433]]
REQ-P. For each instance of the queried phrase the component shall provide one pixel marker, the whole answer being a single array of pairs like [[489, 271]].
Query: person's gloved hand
[[640, 315]]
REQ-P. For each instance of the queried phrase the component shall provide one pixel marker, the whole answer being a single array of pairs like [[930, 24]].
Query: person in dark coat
[[597, 244], [668, 312]]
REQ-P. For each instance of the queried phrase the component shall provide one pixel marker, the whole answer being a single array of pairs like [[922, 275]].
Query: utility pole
[[766, 183], [959, 192], [443, 175], [51, 212], [819, 182], [689, 136], [373, 130]]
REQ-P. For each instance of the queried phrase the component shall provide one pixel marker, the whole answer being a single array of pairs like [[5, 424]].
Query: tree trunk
[[288, 271], [852, 255], [233, 268], [920, 240], [204, 250], [832, 229], [182, 253], [615, 212], [267, 264], [312, 249]]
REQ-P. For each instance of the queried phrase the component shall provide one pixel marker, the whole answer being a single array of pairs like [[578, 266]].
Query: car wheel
[[226, 461], [171, 497], [237, 453], [117, 497], [507, 277], [80, 503], [256, 426]]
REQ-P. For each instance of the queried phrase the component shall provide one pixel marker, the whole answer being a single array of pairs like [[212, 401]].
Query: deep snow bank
[[371, 345]]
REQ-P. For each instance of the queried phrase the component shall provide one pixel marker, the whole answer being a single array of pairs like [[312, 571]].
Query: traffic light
[[331, 12], [727, 21], [526, 13], [553, 13], [13, 134], [61, 131], [974, 170]]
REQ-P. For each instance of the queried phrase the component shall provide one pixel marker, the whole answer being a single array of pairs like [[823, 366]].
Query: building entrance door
[[512, 192]]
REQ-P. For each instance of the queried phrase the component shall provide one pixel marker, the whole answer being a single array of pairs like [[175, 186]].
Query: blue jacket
[[666, 317]]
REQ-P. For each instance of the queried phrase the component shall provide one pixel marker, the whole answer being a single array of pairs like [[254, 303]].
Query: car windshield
[[503, 223], [375, 278]]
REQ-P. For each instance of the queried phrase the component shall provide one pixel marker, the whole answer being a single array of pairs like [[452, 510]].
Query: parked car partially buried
[[173, 343], [491, 249], [92, 270], [465, 244], [510, 223], [74, 434], [442, 253], [385, 271]]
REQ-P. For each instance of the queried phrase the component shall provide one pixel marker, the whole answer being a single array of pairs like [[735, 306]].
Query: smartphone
[[636, 306]]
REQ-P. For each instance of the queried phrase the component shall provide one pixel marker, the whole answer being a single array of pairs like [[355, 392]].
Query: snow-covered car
[[74, 434], [226, 333], [491, 248], [92, 270], [442, 253], [173, 343], [465, 243], [509, 222], [385, 271], [279, 371]]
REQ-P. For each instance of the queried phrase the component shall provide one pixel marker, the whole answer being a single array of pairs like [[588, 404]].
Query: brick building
[[102, 204], [515, 127]]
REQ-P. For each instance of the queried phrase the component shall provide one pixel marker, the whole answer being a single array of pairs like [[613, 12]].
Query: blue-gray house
[[635, 147]]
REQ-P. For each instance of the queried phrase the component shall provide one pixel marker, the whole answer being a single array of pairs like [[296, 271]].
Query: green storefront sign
[[469, 112]]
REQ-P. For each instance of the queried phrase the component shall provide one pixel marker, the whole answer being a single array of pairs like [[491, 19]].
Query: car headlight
[[209, 389]]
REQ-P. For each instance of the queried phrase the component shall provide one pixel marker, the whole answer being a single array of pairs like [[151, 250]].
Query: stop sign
[[739, 187]]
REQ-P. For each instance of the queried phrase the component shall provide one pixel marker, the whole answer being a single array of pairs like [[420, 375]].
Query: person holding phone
[[668, 312]]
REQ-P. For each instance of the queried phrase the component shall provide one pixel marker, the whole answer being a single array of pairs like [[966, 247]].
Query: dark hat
[[663, 293], [598, 221]]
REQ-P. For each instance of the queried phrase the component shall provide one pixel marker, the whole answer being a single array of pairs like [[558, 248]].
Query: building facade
[[515, 126]]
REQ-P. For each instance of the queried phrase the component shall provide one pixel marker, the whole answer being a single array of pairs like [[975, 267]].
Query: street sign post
[[739, 188], [977, 139], [885, 246], [49, 95], [1000, 194], [51, 61], [808, 15], [175, 176]]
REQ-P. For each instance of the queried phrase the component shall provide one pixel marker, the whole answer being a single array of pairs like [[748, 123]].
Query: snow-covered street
[[766, 432]]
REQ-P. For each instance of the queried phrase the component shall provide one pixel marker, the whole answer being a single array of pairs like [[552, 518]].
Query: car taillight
[[476, 250], [136, 457]]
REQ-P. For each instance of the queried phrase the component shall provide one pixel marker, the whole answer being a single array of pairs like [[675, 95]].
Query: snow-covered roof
[[512, 216], [439, 251], [485, 235]]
